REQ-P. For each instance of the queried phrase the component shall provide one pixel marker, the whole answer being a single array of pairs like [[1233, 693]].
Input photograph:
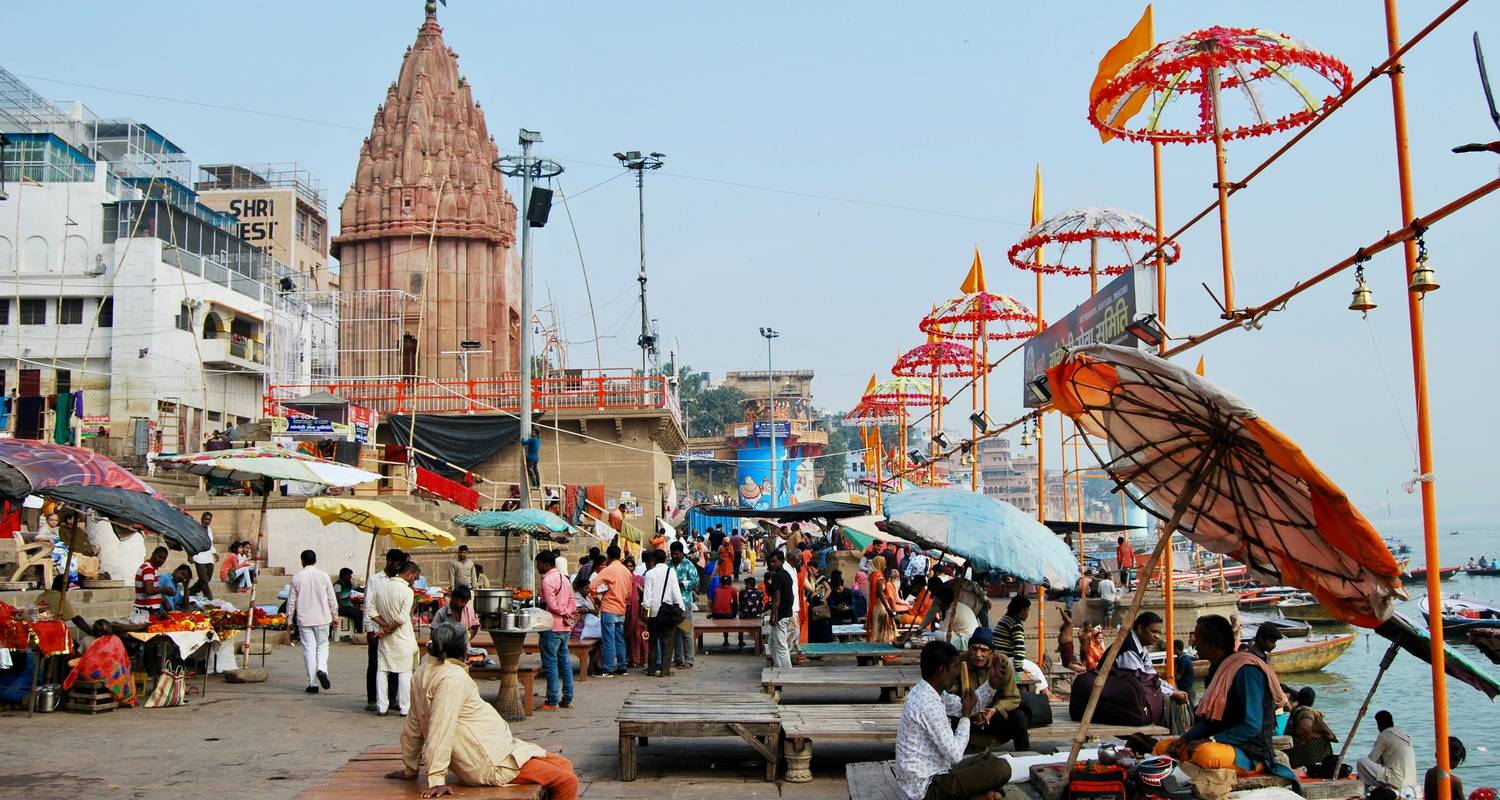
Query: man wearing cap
[[1266, 637], [1003, 719]]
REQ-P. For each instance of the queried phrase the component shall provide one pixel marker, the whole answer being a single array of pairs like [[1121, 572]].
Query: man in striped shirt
[[1010, 631], [148, 594]]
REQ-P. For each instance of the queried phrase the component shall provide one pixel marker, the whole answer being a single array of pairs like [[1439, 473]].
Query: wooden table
[[864, 653], [735, 627], [364, 777], [654, 712], [582, 649], [800, 724], [892, 681], [507, 646]]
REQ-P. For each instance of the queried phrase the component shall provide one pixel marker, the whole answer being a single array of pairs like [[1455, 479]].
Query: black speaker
[[539, 207]]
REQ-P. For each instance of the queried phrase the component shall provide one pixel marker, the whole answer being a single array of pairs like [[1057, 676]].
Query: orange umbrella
[[1259, 499]]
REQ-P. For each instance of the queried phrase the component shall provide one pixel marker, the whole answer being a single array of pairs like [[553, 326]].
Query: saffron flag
[[1139, 40], [1200, 366], [975, 280]]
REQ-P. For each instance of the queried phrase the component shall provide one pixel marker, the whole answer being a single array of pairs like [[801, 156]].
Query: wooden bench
[[873, 780], [655, 712], [526, 675], [865, 654], [582, 649], [728, 627], [892, 681], [364, 777], [801, 724]]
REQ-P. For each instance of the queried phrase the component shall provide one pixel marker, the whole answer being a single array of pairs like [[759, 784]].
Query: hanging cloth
[[78, 404], [4, 413], [29, 417], [62, 431]]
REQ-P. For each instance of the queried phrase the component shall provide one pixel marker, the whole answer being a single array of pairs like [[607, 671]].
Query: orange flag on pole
[[1200, 366], [1036, 205], [975, 280], [1139, 40]]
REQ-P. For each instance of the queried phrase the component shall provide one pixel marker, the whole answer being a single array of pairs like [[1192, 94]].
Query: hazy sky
[[943, 107]]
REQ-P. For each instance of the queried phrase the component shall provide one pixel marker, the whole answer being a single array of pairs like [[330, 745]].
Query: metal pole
[[771, 410], [640, 190], [525, 366], [1414, 310]]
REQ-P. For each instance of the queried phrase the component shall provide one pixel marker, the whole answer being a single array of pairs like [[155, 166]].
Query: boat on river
[[1303, 607], [1462, 614], [1290, 628], [1306, 655], [1419, 574], [1483, 572]]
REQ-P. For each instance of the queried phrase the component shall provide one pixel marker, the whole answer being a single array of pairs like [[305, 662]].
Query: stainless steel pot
[[45, 699], [524, 619], [508, 621], [492, 601]]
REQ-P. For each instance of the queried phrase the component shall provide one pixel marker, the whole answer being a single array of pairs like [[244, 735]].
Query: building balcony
[[234, 352]]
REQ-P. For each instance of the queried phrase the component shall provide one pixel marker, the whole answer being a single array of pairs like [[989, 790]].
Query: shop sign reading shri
[[1101, 318]]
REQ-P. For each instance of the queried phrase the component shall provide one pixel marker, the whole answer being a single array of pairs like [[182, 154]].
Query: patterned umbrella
[[1092, 226], [83, 477], [276, 463], [1240, 487], [534, 521], [980, 315], [901, 391], [936, 359]]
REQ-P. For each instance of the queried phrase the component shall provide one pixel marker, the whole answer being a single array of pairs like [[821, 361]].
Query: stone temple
[[427, 215]]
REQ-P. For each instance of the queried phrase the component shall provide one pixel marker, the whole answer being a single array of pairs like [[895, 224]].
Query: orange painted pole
[[1211, 76], [974, 403], [1168, 585], [1424, 427]]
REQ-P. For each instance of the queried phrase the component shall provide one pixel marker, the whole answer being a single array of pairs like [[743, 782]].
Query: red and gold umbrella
[[1240, 487]]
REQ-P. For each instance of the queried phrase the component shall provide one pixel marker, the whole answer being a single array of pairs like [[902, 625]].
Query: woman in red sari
[[726, 562], [635, 625], [802, 611]]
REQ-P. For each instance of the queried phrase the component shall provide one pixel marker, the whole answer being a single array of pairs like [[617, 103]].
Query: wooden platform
[[864, 653], [654, 712], [873, 780], [891, 681], [702, 626], [364, 777]]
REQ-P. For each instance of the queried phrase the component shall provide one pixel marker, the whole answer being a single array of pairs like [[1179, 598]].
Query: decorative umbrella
[[534, 521], [379, 519], [83, 477], [1091, 226], [1198, 67], [992, 534], [1259, 499], [277, 463], [934, 361]]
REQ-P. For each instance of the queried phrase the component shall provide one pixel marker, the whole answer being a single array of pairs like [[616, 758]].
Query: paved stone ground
[[271, 740]]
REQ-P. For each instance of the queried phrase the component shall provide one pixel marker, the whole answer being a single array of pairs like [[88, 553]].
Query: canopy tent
[[993, 535], [533, 521], [862, 531], [275, 463]]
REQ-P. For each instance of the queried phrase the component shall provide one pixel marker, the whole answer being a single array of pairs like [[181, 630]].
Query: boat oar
[[1385, 664]]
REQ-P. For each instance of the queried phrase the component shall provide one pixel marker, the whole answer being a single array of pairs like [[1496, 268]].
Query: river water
[[1406, 689]]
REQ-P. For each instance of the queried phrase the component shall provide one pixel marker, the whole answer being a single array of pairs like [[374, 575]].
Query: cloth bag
[[170, 690]]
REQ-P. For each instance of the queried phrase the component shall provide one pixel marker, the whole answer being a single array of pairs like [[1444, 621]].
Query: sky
[[832, 166]]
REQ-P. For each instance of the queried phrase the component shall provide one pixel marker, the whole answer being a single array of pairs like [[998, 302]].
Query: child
[[751, 604], [725, 606]]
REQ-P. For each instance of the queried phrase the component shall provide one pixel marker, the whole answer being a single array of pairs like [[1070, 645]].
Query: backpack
[[1127, 699]]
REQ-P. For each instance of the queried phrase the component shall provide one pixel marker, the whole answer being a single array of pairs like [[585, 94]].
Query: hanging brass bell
[[1364, 299], [1423, 278], [1026, 438]]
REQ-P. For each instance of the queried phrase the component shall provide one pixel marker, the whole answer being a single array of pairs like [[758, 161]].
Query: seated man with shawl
[[450, 729], [1236, 717]]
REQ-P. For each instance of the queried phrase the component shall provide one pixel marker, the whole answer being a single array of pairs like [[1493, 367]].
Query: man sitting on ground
[[1391, 764], [930, 763], [1003, 718], [450, 728], [1236, 717]]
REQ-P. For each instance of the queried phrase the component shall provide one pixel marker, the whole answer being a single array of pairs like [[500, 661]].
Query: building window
[[64, 381], [33, 311], [107, 312], [315, 237], [70, 312], [184, 318], [5, 311], [302, 225]]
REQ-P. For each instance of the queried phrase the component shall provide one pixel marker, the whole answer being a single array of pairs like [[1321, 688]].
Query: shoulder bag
[[668, 615]]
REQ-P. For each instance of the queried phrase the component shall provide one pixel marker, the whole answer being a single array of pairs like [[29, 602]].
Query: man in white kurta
[[397, 651]]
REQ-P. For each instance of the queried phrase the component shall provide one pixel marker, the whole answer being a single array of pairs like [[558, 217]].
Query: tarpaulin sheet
[[465, 440], [450, 490]]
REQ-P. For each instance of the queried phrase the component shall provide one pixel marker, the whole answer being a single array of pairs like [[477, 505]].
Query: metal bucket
[[508, 621], [524, 619], [44, 699], [492, 601]]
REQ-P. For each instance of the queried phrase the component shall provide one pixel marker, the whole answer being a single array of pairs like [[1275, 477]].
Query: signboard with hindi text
[[1101, 318]]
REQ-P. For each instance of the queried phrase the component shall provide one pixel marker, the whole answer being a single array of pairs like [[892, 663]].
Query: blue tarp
[[991, 534]]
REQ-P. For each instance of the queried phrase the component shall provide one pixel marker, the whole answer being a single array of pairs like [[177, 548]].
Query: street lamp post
[[770, 334], [528, 169], [633, 160]]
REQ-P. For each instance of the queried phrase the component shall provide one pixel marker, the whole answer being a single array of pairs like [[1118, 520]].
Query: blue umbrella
[[534, 521], [993, 535]]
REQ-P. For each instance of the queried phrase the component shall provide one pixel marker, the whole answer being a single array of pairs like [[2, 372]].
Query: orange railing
[[582, 391]]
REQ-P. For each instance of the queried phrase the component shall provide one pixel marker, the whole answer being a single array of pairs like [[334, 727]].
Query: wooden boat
[[1420, 574], [1483, 572], [1307, 655], [1305, 608], [1458, 627], [1290, 628]]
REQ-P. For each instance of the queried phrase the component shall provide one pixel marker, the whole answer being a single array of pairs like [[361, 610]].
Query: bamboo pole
[[1169, 573], [1211, 77], [1385, 664], [1194, 484], [1438, 656]]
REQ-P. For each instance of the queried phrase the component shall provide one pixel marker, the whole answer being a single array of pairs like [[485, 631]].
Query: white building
[[121, 286]]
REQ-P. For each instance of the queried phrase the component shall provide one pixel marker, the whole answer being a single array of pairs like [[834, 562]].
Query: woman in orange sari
[[802, 610], [877, 620], [726, 562]]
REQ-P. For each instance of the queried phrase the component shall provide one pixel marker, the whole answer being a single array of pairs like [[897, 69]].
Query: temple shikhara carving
[[427, 215]]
